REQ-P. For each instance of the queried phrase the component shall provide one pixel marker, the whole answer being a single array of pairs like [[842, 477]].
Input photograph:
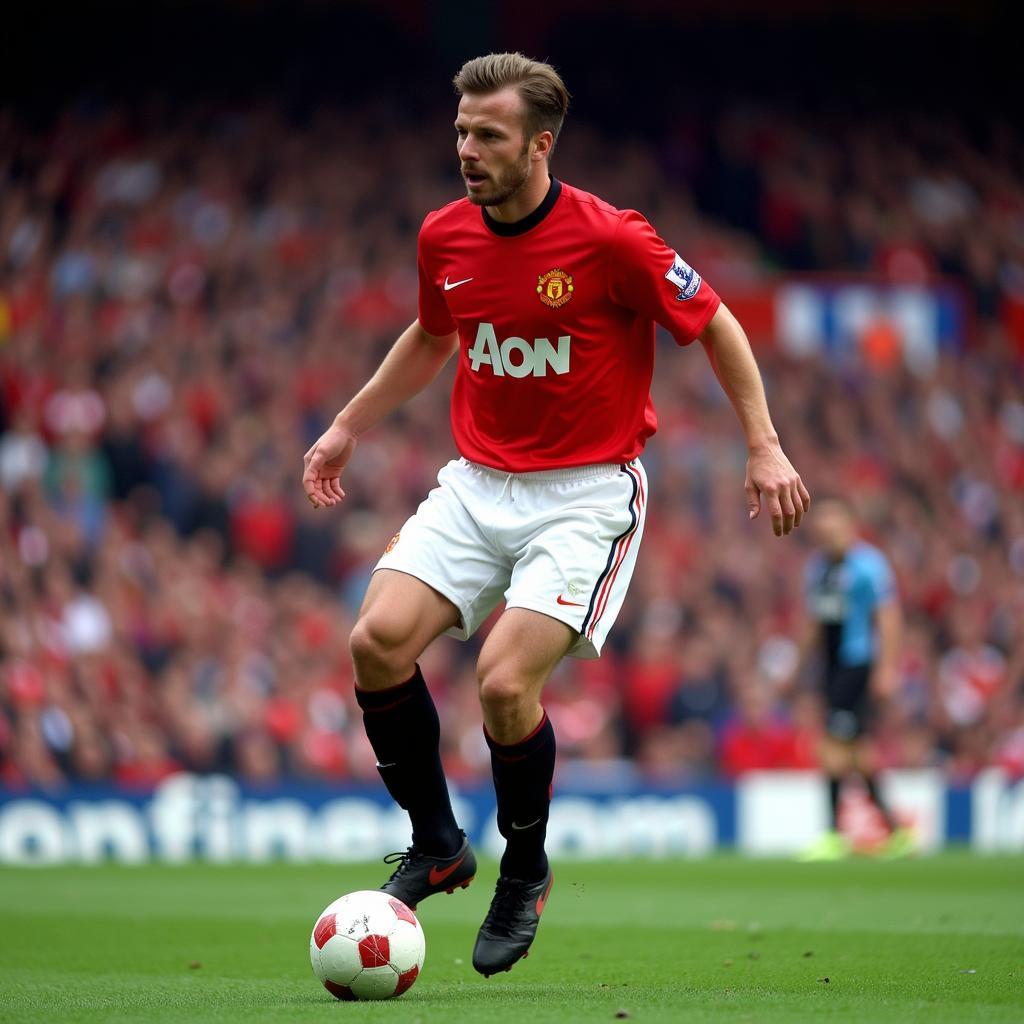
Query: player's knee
[[378, 649], [836, 757], [501, 690]]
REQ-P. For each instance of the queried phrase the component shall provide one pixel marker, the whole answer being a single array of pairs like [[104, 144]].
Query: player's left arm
[[769, 472], [647, 276], [888, 626]]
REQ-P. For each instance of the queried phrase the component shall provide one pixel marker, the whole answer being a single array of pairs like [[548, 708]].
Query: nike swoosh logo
[[436, 877], [541, 900], [448, 286], [574, 604], [522, 828]]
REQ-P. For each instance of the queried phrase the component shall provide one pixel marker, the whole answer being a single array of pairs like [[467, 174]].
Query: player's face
[[494, 156], [833, 527]]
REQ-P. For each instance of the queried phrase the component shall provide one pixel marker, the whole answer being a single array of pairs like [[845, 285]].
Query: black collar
[[531, 220]]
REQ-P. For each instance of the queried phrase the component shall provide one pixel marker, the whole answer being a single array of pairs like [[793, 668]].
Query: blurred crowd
[[187, 297]]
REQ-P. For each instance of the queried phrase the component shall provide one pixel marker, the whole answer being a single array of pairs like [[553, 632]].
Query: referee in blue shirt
[[853, 626]]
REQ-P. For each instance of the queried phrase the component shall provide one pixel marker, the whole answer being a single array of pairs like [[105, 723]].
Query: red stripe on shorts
[[623, 550]]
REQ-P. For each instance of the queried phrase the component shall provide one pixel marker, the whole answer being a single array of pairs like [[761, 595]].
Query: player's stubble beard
[[508, 185]]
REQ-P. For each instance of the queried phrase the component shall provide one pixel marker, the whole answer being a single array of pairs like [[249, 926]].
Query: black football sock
[[834, 786], [403, 728], [522, 784], [872, 786]]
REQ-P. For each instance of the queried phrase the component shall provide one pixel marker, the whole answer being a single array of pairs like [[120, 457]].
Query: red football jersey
[[555, 315]]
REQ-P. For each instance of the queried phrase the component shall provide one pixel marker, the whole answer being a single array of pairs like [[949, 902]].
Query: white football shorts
[[560, 542]]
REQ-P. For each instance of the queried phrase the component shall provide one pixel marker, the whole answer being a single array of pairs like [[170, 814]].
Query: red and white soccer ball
[[367, 945]]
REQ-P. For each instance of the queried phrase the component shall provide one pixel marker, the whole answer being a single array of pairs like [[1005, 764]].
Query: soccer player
[[854, 625], [548, 297]]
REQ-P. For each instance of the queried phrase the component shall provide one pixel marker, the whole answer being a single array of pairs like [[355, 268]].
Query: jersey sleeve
[[432, 309], [645, 275], [880, 578]]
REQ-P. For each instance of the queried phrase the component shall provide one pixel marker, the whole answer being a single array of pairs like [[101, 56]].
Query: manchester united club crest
[[555, 288]]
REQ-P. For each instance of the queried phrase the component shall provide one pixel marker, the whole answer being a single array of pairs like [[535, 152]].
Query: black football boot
[[419, 875], [511, 923]]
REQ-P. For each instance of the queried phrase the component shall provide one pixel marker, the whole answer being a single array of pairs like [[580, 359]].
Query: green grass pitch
[[726, 939]]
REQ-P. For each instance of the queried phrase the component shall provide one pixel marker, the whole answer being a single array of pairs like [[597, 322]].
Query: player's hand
[[785, 688], [323, 464], [884, 683], [771, 475]]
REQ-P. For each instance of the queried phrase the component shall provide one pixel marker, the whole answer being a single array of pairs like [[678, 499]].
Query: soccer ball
[[367, 945]]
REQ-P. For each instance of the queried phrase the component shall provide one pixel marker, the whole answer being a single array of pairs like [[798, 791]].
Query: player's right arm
[[414, 361], [808, 642]]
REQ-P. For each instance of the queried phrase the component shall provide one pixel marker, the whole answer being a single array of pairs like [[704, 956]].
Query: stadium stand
[[187, 295]]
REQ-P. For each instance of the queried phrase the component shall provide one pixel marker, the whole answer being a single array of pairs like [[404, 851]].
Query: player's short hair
[[841, 501], [544, 95]]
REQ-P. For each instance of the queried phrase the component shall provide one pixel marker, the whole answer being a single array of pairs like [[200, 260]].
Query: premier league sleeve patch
[[684, 277]]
